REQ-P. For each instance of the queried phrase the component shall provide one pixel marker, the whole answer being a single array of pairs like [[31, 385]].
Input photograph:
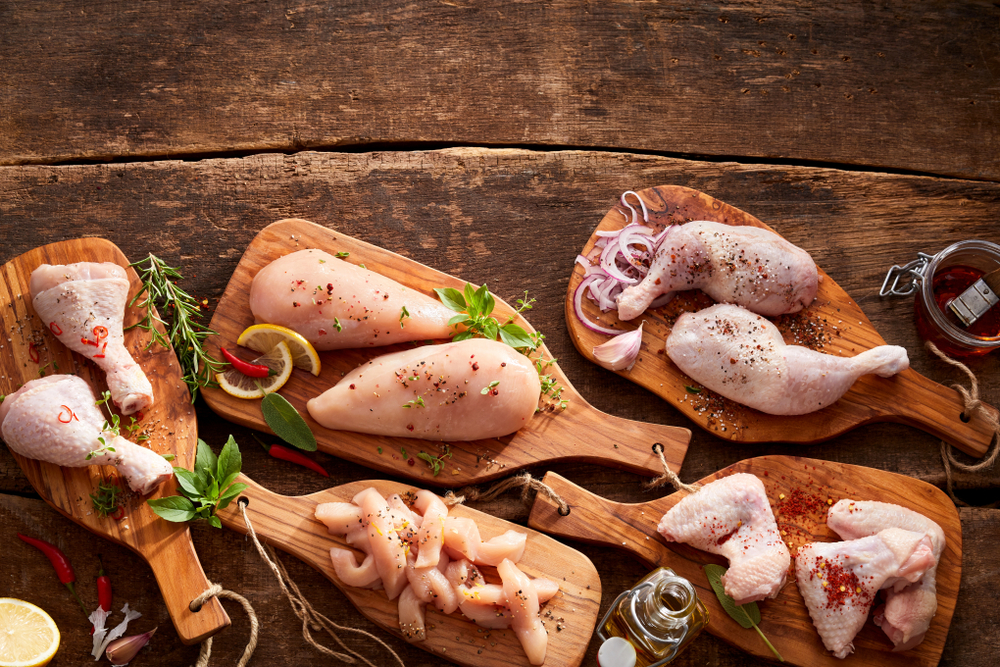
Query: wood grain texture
[[576, 433], [896, 85], [169, 422], [786, 621], [833, 324], [289, 523]]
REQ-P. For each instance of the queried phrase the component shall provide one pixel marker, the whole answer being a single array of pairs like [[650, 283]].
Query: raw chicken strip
[[411, 616], [435, 392], [523, 603], [337, 305], [386, 546], [907, 613], [83, 305], [56, 419], [430, 537], [743, 357], [839, 580], [732, 517], [345, 564], [340, 518], [749, 266]]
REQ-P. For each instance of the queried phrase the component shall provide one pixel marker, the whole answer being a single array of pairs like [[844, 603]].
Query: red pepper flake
[[295, 304], [799, 503], [55, 328], [840, 585], [67, 412], [33, 353]]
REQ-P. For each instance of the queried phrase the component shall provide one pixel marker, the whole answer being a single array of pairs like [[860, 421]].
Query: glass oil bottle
[[659, 617]]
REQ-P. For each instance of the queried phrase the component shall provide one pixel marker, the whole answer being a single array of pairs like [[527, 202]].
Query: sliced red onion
[[578, 308], [645, 214]]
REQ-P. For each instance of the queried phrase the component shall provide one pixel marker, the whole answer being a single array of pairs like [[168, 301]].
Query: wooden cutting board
[[833, 324], [786, 622], [170, 424], [578, 433], [289, 523]]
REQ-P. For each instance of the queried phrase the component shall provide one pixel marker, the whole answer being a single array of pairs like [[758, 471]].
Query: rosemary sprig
[[159, 289], [106, 501]]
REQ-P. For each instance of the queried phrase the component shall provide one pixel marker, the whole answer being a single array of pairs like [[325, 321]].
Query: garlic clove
[[621, 351], [122, 651]]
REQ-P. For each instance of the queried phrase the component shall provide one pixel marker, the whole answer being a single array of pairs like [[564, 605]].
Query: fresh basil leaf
[[461, 318], [205, 461], [173, 508], [490, 329], [471, 300], [214, 521], [231, 494], [230, 461], [286, 422], [229, 480], [463, 335], [191, 485], [515, 336], [451, 298], [488, 302]]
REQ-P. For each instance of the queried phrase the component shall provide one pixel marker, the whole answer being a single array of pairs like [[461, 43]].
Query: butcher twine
[[311, 619], [972, 404], [669, 475], [524, 480]]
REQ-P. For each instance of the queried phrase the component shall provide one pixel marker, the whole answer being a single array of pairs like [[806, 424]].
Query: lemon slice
[[28, 636], [279, 360], [262, 337]]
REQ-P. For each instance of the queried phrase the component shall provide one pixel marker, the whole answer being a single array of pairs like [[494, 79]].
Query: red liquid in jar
[[948, 284]]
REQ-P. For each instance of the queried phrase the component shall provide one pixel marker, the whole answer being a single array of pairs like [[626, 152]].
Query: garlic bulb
[[621, 351]]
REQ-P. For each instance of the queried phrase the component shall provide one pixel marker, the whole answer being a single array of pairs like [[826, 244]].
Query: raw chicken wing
[[743, 357], [468, 390], [732, 517], [83, 305], [56, 419], [749, 266], [839, 580], [907, 614], [337, 305]]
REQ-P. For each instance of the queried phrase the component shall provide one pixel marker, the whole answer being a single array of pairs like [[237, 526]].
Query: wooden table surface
[[487, 140]]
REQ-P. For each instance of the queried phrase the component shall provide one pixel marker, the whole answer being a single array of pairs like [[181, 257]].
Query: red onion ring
[[578, 308]]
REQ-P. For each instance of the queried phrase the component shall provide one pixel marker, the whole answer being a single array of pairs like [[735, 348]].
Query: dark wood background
[[487, 140]]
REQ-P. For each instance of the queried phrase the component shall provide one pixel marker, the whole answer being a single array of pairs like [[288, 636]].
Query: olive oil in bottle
[[658, 617]]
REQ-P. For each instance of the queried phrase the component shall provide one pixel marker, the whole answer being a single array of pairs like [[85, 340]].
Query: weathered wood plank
[[897, 85]]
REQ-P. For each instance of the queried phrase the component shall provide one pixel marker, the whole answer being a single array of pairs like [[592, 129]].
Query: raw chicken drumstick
[[743, 357], [907, 613], [839, 580], [749, 266], [83, 305], [56, 419], [732, 517]]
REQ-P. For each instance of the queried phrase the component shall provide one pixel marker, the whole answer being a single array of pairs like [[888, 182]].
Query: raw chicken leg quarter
[[743, 357]]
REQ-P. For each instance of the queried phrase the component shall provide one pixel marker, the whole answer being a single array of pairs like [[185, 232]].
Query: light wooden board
[[289, 523], [170, 423], [786, 622], [578, 433], [833, 324]]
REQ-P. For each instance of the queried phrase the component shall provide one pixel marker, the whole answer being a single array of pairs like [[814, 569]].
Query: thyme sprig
[[160, 290], [106, 501], [436, 463]]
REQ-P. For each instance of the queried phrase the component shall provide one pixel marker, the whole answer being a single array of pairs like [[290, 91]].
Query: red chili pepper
[[292, 456], [70, 417], [251, 370], [33, 353], [55, 328], [59, 561], [103, 589], [101, 355]]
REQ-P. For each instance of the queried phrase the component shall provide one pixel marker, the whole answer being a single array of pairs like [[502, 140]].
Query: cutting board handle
[[597, 520], [938, 409], [181, 579]]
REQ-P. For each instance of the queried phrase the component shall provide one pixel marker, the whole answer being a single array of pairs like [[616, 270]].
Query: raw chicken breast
[[732, 517], [742, 356], [839, 580], [907, 614], [337, 305], [523, 603], [56, 419], [83, 305], [435, 392], [749, 266]]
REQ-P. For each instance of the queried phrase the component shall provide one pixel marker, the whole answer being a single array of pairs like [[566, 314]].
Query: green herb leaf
[[192, 485], [343, 255], [173, 508], [205, 461], [230, 462], [402, 316], [747, 615], [515, 336], [692, 390], [286, 422], [231, 494], [451, 298]]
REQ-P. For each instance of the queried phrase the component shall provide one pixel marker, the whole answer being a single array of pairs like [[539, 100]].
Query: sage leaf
[[747, 615], [173, 508], [286, 422]]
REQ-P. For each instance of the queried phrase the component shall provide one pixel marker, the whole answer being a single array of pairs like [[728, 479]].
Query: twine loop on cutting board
[[668, 475], [524, 481], [973, 404], [215, 590]]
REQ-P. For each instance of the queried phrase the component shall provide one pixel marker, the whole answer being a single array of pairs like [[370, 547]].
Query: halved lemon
[[28, 636], [279, 360], [262, 337]]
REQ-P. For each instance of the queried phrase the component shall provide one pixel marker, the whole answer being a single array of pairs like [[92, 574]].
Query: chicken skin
[[732, 517], [749, 266], [56, 419], [742, 356], [337, 305], [83, 305]]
